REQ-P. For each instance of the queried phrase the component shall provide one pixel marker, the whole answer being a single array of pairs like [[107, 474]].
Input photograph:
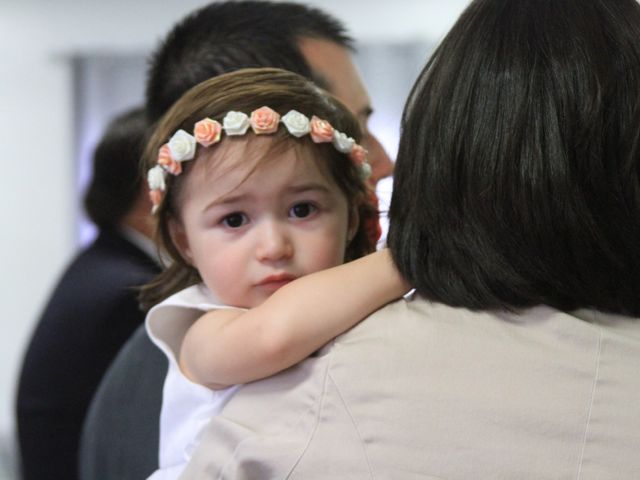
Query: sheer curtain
[[104, 86]]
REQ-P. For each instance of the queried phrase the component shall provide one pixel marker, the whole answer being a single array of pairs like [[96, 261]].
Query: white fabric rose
[[297, 124], [343, 143], [235, 123], [365, 171], [182, 146], [155, 178]]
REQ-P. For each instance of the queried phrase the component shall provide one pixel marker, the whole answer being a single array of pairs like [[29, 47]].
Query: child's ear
[[354, 223], [180, 239]]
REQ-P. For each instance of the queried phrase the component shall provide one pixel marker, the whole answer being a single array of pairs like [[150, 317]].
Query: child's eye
[[302, 210], [235, 220]]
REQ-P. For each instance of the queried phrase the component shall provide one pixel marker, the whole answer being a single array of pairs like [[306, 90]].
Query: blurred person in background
[[93, 309]]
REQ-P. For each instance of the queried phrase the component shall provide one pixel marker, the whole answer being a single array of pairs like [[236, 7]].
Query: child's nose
[[274, 242]]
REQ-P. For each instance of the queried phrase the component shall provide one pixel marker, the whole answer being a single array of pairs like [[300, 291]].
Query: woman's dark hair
[[517, 182], [247, 90], [115, 183]]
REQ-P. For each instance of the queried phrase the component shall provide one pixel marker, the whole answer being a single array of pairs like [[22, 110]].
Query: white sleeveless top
[[186, 406]]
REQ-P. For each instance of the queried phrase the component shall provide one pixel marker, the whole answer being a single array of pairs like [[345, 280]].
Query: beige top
[[422, 390]]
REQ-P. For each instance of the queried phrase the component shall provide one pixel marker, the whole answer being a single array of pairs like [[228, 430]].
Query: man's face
[[333, 64]]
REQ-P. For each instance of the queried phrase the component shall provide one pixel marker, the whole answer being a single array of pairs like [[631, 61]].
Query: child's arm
[[225, 347]]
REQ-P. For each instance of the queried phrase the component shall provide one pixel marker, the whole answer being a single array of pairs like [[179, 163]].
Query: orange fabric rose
[[358, 155], [207, 132], [264, 120], [168, 163], [321, 130]]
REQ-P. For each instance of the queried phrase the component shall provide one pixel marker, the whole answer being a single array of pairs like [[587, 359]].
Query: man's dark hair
[[116, 182], [517, 180], [225, 36]]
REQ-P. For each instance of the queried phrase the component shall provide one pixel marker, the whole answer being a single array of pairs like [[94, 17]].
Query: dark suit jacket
[[92, 312], [121, 433]]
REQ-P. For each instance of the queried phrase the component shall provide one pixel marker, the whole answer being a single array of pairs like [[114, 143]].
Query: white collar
[[141, 241]]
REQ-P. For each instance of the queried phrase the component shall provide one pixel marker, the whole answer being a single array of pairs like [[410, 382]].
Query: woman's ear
[[180, 239]]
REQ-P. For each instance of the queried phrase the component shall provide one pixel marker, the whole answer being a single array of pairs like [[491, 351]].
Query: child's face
[[248, 238]]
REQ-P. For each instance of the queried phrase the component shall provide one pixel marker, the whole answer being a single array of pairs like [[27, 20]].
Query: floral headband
[[182, 145]]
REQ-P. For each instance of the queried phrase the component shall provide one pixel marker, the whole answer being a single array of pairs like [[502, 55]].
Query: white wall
[[37, 38]]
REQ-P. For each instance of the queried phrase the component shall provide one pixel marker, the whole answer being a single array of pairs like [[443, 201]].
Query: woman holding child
[[516, 216]]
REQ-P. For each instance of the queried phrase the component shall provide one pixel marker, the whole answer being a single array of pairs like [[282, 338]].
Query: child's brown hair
[[244, 91]]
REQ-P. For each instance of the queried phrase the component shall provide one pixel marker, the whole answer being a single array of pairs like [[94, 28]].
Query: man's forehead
[[333, 64]]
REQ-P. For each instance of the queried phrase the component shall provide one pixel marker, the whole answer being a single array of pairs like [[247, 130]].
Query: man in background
[[93, 309], [118, 441], [225, 36]]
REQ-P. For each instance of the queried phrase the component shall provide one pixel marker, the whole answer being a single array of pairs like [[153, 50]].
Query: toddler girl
[[257, 182]]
